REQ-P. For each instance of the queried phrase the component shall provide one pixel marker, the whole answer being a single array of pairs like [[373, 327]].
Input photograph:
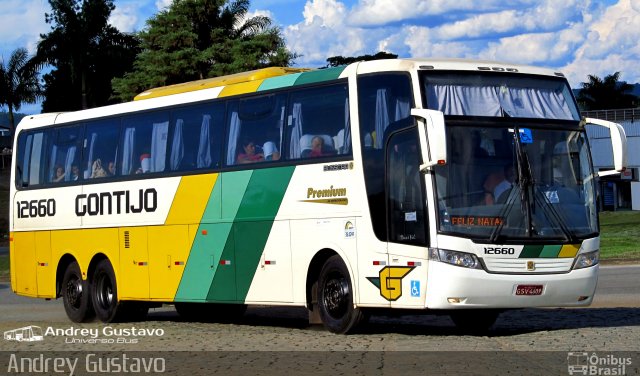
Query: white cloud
[[21, 24], [124, 18], [378, 12], [324, 33], [331, 13], [162, 4], [610, 45]]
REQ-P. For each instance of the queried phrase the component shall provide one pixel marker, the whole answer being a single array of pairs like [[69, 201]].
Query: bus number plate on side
[[529, 290]]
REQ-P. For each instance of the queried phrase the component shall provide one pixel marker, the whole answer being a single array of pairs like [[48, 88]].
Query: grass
[[620, 235]]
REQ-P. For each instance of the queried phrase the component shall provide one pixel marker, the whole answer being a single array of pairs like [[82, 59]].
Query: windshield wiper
[[524, 180]]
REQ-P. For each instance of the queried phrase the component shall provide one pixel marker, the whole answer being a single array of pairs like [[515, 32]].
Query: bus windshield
[[498, 185], [509, 175]]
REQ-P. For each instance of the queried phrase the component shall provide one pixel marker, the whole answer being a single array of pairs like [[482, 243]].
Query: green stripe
[[207, 250], [251, 229], [278, 82], [319, 75], [551, 251], [531, 251]]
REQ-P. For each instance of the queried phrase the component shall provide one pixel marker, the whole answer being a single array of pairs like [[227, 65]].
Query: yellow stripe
[[243, 88], [569, 250], [191, 199]]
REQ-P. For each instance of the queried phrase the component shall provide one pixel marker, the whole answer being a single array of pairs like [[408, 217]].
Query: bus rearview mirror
[[433, 140], [618, 144]]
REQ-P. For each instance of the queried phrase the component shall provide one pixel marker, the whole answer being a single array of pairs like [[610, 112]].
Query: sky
[[576, 37]]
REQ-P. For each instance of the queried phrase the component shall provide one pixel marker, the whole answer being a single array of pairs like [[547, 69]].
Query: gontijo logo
[[389, 281]]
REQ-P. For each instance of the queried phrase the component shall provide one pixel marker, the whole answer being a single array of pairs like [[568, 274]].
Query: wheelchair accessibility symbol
[[526, 137], [415, 289]]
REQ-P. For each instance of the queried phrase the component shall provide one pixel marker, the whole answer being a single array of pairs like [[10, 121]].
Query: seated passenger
[[111, 169], [271, 152], [97, 171], [75, 173], [249, 155], [318, 148], [58, 175]]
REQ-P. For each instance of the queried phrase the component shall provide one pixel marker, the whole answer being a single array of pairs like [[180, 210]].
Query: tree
[[336, 61], [87, 54], [18, 83], [197, 39], [605, 94]]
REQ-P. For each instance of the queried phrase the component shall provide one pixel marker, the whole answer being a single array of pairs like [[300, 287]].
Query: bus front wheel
[[76, 295], [335, 297]]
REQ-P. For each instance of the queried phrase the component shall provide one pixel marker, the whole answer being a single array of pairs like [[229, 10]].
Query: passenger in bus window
[[111, 168], [250, 155], [97, 171], [75, 173], [318, 148], [271, 152], [58, 174]]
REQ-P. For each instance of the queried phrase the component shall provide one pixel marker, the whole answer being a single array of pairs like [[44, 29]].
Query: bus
[[27, 334], [409, 185]]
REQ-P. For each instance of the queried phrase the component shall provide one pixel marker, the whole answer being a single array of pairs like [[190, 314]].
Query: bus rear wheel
[[104, 294], [76, 295], [335, 297]]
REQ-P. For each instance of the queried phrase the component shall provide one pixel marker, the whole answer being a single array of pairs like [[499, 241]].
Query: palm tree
[[86, 51], [18, 83], [196, 39], [605, 94]]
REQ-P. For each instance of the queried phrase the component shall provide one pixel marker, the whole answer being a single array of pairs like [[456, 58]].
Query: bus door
[[406, 219]]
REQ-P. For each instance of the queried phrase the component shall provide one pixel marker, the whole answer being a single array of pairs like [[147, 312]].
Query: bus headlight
[[462, 259], [585, 260]]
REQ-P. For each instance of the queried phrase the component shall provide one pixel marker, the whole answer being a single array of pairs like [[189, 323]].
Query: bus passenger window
[[196, 137], [100, 149], [255, 129], [64, 153], [144, 143], [318, 122]]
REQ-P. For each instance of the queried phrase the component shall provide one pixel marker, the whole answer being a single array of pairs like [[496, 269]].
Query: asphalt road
[[277, 340]]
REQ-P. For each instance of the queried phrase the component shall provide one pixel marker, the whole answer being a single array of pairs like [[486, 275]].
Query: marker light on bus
[[585, 260], [462, 259]]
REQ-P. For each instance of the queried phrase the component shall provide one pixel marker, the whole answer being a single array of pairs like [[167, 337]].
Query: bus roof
[[254, 75]]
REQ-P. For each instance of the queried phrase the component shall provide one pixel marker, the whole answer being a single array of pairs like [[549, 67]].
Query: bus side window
[[318, 122], [384, 103], [144, 143], [64, 153], [100, 149], [255, 129], [405, 188], [196, 137], [30, 156]]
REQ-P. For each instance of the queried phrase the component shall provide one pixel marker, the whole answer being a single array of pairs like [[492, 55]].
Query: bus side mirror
[[433, 140], [618, 144]]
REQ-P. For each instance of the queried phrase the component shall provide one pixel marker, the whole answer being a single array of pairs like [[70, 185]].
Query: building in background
[[620, 191]]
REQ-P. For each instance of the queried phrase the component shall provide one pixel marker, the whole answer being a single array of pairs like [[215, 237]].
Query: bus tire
[[104, 293], [474, 321], [76, 295], [335, 297]]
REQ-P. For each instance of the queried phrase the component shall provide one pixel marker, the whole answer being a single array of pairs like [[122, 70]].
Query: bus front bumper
[[453, 287]]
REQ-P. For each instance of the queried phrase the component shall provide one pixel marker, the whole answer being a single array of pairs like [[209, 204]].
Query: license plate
[[529, 290]]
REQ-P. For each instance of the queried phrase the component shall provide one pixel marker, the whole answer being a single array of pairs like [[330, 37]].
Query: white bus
[[446, 186]]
